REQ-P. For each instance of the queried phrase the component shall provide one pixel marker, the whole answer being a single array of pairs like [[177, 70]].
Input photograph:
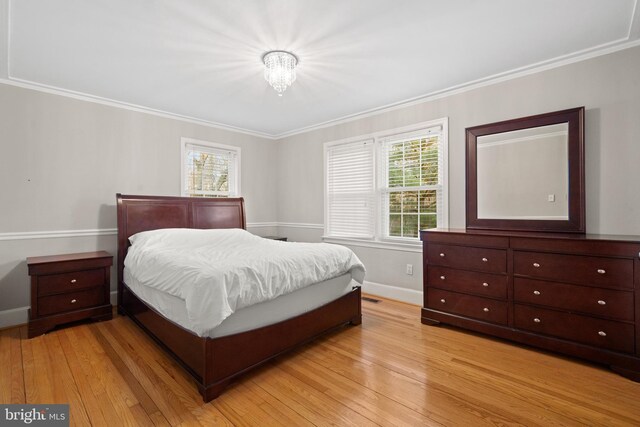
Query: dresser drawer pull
[[442, 277], [73, 301], [602, 333], [601, 271], [486, 310], [536, 265], [485, 284], [443, 300], [536, 320], [73, 280], [601, 302], [442, 254], [484, 260], [536, 292]]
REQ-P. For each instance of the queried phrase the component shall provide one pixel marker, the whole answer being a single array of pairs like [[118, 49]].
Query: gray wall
[[608, 86], [62, 160]]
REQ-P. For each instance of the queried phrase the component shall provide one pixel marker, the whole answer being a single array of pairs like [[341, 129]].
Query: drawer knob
[[442, 254], [73, 301], [536, 265], [73, 280], [443, 300], [601, 302], [486, 310], [485, 284], [536, 292], [535, 319], [602, 333], [484, 260], [601, 271], [442, 277]]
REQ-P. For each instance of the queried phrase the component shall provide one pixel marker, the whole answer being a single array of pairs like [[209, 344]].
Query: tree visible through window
[[209, 170], [412, 186]]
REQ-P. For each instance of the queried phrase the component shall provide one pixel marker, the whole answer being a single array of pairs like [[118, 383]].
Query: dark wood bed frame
[[214, 362]]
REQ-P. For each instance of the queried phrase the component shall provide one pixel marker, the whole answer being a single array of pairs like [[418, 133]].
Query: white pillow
[[188, 236]]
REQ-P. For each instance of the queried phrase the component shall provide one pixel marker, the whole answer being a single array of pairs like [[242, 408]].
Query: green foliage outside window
[[412, 163]]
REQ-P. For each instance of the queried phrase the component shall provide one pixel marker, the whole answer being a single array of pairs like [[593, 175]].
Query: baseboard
[[410, 296], [14, 317]]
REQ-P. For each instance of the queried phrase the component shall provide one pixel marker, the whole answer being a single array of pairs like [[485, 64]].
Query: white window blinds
[[411, 191], [209, 170], [350, 207]]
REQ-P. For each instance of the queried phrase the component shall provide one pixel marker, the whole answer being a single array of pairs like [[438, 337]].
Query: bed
[[214, 361]]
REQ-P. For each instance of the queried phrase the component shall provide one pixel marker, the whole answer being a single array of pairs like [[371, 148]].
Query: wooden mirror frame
[[576, 221]]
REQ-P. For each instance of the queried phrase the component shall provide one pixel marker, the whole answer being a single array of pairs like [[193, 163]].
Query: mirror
[[527, 174]]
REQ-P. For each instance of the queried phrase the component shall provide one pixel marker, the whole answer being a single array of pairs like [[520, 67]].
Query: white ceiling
[[202, 58]]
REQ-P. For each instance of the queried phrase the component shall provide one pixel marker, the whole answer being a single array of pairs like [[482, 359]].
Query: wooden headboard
[[142, 213]]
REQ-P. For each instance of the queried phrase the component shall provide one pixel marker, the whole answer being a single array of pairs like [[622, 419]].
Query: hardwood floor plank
[[539, 367], [374, 405], [142, 380], [391, 370], [154, 363], [11, 372], [91, 403], [114, 389], [310, 403], [65, 388]]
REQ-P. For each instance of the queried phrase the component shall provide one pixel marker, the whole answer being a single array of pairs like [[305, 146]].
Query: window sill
[[377, 244]]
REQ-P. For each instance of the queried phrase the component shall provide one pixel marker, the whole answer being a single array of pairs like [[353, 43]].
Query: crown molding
[[632, 40], [634, 26], [27, 84], [559, 61]]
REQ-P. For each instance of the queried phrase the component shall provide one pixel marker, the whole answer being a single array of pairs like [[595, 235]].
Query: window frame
[[380, 240], [214, 145]]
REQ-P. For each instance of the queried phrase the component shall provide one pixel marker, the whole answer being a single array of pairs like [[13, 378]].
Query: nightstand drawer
[[483, 284], [485, 309], [478, 259], [70, 301], [70, 282]]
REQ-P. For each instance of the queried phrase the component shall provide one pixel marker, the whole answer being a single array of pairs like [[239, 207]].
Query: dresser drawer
[[485, 309], [483, 284], [71, 301], [466, 258], [589, 300], [70, 282], [587, 270], [587, 330]]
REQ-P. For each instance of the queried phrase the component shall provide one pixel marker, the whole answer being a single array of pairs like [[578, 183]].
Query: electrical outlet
[[551, 197], [410, 269]]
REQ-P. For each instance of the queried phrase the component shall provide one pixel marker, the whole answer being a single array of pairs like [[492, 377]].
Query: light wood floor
[[389, 371]]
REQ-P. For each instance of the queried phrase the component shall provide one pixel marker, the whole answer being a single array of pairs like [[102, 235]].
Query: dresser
[[67, 288], [577, 295]]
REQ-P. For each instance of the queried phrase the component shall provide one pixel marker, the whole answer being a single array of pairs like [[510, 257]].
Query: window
[[210, 170], [388, 186], [350, 190]]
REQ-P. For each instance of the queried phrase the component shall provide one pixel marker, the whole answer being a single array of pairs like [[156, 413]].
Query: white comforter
[[217, 272]]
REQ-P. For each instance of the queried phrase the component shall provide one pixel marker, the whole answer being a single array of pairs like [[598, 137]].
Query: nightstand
[[67, 288], [283, 239]]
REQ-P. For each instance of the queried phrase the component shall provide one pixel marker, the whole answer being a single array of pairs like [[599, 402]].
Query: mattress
[[218, 272], [252, 317]]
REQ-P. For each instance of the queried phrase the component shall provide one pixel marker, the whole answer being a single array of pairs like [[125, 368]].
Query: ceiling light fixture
[[280, 69]]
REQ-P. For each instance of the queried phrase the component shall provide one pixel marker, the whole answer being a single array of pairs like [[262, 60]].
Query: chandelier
[[280, 69]]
